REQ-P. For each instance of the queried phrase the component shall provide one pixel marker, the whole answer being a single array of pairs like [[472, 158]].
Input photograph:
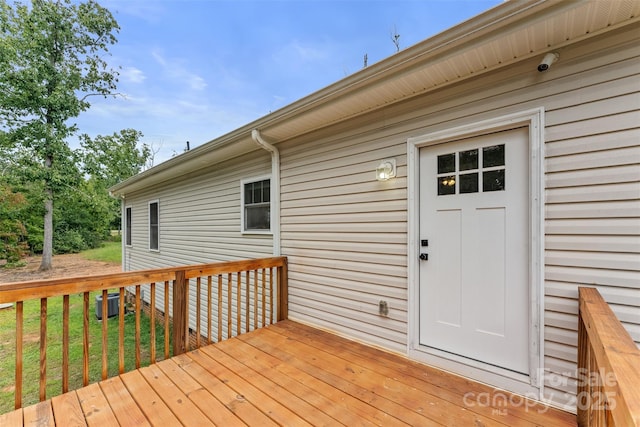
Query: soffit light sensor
[[386, 170]]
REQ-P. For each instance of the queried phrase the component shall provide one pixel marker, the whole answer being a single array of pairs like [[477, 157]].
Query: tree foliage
[[109, 160], [13, 245], [51, 61]]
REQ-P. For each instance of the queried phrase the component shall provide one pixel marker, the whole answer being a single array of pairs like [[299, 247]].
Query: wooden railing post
[[608, 366], [180, 313], [283, 290]]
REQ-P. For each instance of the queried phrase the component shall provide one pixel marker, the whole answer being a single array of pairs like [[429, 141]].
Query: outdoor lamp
[[386, 169]]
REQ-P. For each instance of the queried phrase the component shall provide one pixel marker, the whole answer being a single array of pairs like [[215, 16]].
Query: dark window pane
[[153, 226], [266, 191], [469, 183], [153, 237], [257, 218], [446, 185], [493, 180], [468, 160], [153, 213], [447, 163], [257, 192], [248, 193], [493, 156], [127, 230]]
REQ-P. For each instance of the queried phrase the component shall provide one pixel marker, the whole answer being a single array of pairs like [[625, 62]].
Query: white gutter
[[275, 188]]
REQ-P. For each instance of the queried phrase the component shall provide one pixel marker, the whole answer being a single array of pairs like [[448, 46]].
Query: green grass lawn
[[31, 342], [108, 252]]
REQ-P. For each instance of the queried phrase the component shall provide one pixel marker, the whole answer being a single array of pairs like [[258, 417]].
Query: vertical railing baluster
[[105, 336], [43, 349], [229, 305], [209, 296], [255, 299], [19, 333], [584, 371], [239, 304], [65, 343], [152, 321], [219, 307], [198, 300], [121, 331], [137, 332], [166, 319], [85, 339], [248, 300], [271, 271], [264, 297]]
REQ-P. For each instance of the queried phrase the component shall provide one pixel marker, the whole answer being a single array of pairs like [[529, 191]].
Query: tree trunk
[[47, 243]]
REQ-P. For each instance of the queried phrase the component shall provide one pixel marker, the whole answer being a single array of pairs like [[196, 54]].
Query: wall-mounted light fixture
[[386, 170]]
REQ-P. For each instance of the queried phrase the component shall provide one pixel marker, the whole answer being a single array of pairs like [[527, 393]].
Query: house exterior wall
[[346, 234], [199, 221]]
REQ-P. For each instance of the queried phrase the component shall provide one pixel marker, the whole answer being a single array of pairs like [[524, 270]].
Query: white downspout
[[275, 188]]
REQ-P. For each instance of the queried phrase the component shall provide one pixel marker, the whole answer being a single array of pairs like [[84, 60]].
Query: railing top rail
[[616, 354], [22, 291], [232, 266]]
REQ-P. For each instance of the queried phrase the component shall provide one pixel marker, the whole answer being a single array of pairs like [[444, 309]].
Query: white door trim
[[534, 120]]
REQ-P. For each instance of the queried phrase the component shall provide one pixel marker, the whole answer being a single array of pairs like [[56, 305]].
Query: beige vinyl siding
[[345, 236], [199, 223], [345, 233]]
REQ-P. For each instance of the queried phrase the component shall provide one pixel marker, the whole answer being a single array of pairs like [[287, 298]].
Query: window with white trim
[[154, 226], [127, 225], [256, 205]]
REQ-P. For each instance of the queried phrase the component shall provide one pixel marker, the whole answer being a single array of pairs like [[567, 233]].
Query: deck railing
[[608, 366], [233, 297]]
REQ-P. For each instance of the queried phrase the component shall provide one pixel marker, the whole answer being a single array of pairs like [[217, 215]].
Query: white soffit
[[475, 53]]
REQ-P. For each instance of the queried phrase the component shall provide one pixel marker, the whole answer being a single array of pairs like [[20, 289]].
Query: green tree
[[51, 62], [109, 160], [13, 245]]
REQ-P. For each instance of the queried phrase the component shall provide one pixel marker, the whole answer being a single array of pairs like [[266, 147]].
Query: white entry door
[[474, 244]]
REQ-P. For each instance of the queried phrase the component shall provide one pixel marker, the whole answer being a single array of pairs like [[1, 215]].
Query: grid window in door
[[256, 201], [154, 226], [479, 170]]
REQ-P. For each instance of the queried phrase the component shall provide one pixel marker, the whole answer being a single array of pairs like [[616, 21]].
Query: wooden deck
[[285, 374]]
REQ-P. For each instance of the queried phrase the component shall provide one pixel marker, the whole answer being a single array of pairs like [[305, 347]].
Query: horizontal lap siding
[[345, 236], [592, 220], [345, 233], [199, 221]]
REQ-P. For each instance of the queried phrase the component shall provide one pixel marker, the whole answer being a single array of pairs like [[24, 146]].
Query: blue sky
[[195, 70]]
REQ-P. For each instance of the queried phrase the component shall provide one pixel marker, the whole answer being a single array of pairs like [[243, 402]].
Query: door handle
[[424, 257]]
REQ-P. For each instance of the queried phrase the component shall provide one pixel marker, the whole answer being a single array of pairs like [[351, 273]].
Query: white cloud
[[175, 70], [296, 53], [132, 75]]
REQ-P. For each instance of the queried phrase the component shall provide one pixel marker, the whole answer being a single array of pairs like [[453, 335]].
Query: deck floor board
[[284, 374]]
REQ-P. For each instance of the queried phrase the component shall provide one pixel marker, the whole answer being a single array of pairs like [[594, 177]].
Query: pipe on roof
[[275, 188]]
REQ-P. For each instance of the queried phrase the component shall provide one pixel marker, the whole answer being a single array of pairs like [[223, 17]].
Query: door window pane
[[447, 163], [469, 183], [493, 156], [493, 180], [468, 160], [446, 185]]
